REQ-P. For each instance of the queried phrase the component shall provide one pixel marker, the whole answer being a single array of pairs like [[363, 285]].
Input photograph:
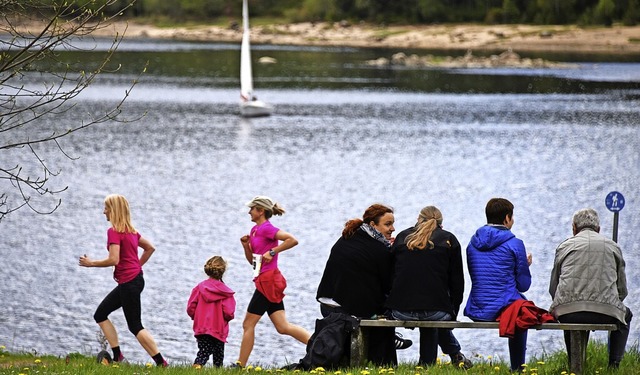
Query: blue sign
[[614, 201]]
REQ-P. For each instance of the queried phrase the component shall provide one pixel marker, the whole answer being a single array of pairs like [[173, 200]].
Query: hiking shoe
[[104, 358], [402, 343], [163, 364], [121, 359], [460, 361]]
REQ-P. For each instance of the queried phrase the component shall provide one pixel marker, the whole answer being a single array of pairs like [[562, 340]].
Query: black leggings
[[127, 296]]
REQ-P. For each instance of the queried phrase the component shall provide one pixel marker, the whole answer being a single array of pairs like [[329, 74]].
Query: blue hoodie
[[499, 271]]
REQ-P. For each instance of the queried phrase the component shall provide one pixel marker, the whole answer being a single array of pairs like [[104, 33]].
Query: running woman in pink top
[[122, 243], [264, 239]]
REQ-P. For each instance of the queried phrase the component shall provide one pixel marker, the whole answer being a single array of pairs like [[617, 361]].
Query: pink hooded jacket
[[211, 306]]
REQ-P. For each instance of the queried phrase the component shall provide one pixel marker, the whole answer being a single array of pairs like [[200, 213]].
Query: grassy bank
[[554, 363]]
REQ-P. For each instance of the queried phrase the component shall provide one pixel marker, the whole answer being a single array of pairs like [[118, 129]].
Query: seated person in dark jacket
[[588, 283], [428, 283], [357, 277]]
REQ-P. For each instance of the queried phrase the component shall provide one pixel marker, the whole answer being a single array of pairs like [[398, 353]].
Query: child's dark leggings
[[209, 346], [127, 296]]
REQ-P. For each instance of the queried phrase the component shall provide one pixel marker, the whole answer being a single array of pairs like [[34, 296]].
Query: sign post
[[615, 203]]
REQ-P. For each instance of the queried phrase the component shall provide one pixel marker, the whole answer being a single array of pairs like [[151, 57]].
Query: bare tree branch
[[36, 32]]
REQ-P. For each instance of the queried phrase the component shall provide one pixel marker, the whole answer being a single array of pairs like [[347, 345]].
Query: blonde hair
[[429, 219], [215, 267], [119, 213], [275, 210]]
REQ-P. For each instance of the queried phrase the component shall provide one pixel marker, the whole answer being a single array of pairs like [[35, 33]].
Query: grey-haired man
[[588, 283]]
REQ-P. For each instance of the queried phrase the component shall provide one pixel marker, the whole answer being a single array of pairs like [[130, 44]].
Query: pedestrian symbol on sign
[[614, 201]]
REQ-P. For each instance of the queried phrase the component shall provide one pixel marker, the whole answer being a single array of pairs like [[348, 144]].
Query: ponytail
[[428, 220], [275, 210], [350, 227]]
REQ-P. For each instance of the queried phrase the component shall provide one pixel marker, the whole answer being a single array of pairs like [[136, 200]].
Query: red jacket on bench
[[521, 314]]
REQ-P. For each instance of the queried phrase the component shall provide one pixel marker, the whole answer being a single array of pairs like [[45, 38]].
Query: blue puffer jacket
[[499, 272]]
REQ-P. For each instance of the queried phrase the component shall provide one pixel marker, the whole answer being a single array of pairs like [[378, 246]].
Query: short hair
[[586, 218], [497, 209], [215, 267]]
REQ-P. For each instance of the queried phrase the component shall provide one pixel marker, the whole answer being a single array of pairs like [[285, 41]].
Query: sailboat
[[250, 106]]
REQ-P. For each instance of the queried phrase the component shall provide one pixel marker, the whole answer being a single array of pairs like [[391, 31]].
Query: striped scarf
[[373, 232]]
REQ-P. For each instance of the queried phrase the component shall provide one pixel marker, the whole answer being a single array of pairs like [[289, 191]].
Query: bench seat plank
[[579, 335], [483, 325]]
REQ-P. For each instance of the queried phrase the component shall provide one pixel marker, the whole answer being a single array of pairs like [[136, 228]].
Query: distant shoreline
[[616, 40]]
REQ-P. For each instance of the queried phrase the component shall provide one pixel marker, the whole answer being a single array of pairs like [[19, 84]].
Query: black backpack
[[330, 343]]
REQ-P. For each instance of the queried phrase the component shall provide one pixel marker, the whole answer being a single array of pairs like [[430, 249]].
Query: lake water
[[343, 136]]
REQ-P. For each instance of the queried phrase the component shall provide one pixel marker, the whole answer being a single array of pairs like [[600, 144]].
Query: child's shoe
[[236, 365]]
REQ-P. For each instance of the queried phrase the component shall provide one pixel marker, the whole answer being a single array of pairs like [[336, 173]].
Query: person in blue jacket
[[499, 269]]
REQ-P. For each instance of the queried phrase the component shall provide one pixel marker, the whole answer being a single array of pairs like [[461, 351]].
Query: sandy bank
[[520, 38]]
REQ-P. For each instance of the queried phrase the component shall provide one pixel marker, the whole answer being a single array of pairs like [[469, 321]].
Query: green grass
[[554, 363]]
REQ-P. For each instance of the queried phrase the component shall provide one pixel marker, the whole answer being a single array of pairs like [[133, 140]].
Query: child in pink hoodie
[[211, 306]]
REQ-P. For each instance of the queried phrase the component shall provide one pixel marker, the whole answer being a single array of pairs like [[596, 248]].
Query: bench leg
[[358, 355], [578, 355]]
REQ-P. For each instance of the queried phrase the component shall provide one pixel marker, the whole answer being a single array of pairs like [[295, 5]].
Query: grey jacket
[[588, 275]]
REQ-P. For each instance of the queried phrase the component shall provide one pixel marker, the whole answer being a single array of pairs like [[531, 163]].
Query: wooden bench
[[579, 336]]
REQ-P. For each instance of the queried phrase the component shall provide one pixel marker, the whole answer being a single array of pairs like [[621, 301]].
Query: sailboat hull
[[249, 106], [255, 108]]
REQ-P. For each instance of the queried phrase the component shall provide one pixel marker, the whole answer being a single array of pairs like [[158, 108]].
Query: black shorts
[[259, 304]]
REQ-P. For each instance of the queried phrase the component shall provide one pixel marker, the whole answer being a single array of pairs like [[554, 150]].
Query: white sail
[[250, 106], [246, 76]]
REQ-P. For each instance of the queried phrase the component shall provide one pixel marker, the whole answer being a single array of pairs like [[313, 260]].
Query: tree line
[[583, 12]]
